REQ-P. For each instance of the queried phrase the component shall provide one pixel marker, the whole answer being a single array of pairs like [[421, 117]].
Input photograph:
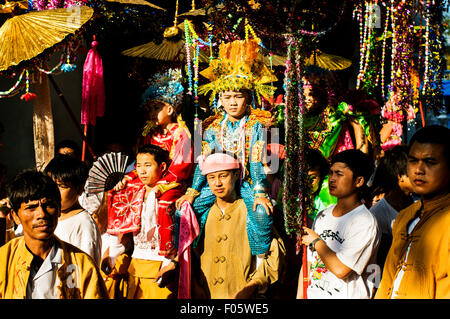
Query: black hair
[[359, 163], [314, 158], [69, 144], [433, 134], [160, 155], [392, 165], [31, 185], [68, 170], [2, 128]]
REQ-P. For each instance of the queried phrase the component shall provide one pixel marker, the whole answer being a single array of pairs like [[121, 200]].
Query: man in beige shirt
[[223, 266], [38, 265]]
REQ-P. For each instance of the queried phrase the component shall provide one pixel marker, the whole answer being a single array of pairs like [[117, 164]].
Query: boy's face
[[341, 181], [428, 169], [234, 104], [160, 112], [69, 195], [314, 174], [405, 184], [39, 218], [148, 170], [222, 183]]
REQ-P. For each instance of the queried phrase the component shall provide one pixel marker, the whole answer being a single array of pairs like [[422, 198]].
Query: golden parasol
[[138, 2], [320, 59], [327, 61], [193, 11], [172, 47], [25, 36], [10, 6]]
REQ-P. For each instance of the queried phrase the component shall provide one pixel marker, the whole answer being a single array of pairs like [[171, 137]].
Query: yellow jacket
[[80, 282], [427, 268]]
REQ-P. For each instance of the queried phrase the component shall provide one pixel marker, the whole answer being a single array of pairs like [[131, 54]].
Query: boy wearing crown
[[237, 128]]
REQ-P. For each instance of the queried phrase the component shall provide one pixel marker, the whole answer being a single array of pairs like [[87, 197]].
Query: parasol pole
[[83, 150], [72, 116]]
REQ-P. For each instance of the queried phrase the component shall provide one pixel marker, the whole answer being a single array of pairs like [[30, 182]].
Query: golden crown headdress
[[239, 66]]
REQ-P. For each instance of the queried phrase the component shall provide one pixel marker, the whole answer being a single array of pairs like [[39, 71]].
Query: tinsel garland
[[402, 59], [368, 76], [296, 189], [435, 65]]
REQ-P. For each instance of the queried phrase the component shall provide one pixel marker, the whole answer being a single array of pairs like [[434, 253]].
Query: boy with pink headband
[[223, 246]]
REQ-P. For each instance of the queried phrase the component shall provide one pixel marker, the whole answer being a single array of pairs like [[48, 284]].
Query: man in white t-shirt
[[75, 225], [344, 238]]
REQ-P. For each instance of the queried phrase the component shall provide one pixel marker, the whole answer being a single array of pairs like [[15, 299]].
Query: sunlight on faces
[[234, 103], [148, 170], [222, 183], [39, 218], [341, 181], [428, 170]]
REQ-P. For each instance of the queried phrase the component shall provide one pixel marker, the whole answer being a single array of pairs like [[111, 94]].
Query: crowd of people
[[211, 227]]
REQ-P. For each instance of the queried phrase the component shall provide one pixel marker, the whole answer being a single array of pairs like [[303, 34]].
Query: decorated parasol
[[327, 61], [172, 47], [319, 59], [25, 36], [11, 6], [137, 2]]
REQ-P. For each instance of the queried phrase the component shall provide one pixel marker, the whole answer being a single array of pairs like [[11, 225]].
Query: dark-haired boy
[[418, 263], [75, 225], [38, 265], [344, 237], [390, 180], [145, 209], [224, 266]]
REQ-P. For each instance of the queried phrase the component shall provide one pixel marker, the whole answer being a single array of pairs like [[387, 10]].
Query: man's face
[[39, 218], [148, 170], [234, 104], [341, 181], [222, 183], [428, 169]]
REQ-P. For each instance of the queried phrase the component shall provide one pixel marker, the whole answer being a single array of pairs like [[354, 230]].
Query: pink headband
[[217, 162]]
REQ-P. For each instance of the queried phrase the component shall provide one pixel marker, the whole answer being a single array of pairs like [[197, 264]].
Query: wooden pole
[[72, 116]]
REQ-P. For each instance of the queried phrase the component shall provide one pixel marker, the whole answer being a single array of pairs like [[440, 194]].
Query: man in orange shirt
[[418, 262]]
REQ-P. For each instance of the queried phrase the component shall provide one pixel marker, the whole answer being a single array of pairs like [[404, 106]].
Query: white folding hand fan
[[106, 172]]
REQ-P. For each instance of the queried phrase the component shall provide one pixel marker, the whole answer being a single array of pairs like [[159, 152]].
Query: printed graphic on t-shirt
[[321, 277]]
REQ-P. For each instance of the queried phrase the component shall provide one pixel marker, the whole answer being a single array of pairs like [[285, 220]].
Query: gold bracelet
[[192, 192]]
